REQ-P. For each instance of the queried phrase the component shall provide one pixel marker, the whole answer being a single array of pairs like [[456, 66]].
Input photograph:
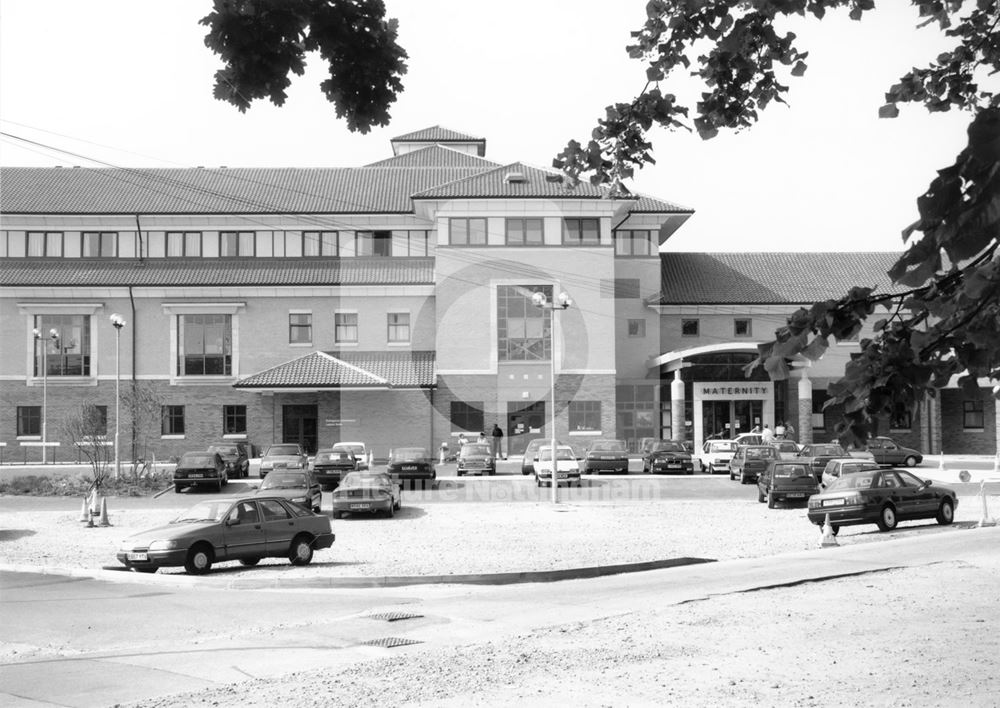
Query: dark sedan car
[[236, 455], [229, 529], [750, 461], [667, 456], [475, 458], [330, 466], [887, 451], [817, 455], [200, 468], [605, 456], [882, 497], [367, 493], [412, 464], [297, 486], [785, 481]]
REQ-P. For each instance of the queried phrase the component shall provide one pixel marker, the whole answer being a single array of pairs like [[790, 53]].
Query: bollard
[[941, 460], [828, 538], [985, 519]]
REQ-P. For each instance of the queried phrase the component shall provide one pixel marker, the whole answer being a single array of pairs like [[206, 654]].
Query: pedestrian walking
[[497, 435]]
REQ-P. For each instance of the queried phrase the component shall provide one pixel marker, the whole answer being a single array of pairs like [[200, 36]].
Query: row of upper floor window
[[742, 327], [470, 231]]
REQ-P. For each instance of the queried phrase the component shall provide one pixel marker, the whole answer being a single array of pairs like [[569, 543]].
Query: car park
[[412, 464], [200, 469], [475, 458], [883, 497], [886, 451], [358, 449], [818, 454], [667, 456], [785, 481], [716, 455], [331, 465], [244, 530], [566, 466], [236, 455], [749, 461], [297, 486], [836, 467], [605, 456], [282, 456], [787, 449], [367, 493]]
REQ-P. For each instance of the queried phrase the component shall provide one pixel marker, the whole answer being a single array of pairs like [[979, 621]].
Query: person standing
[[766, 436], [789, 430], [779, 431], [497, 435]]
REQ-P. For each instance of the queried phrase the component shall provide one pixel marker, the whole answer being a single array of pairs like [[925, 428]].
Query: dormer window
[[515, 178]]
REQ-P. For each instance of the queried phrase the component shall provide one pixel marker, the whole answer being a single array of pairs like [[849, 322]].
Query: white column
[[805, 430], [677, 430]]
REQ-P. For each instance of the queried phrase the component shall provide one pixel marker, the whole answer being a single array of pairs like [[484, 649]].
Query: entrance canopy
[[346, 370], [671, 361]]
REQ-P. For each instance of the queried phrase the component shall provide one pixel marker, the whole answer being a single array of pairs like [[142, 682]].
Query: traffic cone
[[828, 538], [104, 512], [85, 511]]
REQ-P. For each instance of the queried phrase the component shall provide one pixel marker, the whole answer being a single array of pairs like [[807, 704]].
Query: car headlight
[[299, 500], [163, 545]]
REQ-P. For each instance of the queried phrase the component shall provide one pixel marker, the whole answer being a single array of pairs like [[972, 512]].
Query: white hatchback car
[[358, 449], [716, 455], [567, 467]]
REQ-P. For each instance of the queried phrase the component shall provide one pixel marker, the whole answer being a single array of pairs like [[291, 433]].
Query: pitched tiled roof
[[436, 156], [166, 272], [652, 205], [769, 278], [437, 134], [496, 183], [348, 370], [360, 190]]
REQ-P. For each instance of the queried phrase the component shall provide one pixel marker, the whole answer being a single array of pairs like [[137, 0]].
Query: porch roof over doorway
[[338, 370], [674, 360]]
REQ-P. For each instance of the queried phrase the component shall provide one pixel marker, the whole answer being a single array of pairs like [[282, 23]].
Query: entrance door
[[715, 419], [521, 420], [299, 425], [748, 414]]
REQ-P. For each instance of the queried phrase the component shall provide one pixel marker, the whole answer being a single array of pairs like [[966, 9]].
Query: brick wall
[[955, 438]]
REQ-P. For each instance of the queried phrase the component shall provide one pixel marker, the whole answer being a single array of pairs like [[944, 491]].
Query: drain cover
[[393, 616], [389, 642]]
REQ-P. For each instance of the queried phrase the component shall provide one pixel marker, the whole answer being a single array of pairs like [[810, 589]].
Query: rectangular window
[[183, 244], [581, 232], [345, 327], [524, 232], [689, 328], [584, 415], [637, 328], [172, 420], [310, 243], [467, 416], [100, 244], [68, 352], [45, 244], [467, 232], [741, 327], [29, 421], [399, 327], [635, 243], [233, 244], [408, 243], [234, 420], [523, 330], [972, 414], [901, 418], [347, 244], [300, 328], [375, 243], [205, 345]]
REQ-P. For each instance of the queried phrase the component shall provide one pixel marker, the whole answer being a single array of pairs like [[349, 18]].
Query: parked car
[[836, 467], [298, 486], [886, 451], [196, 469], [412, 464], [358, 449], [883, 497], [749, 439], [785, 481], [605, 456], [787, 449], [367, 493], [280, 456], [236, 455], [750, 460], [229, 529], [716, 455], [475, 458], [667, 456], [531, 454], [331, 465], [567, 467], [818, 454]]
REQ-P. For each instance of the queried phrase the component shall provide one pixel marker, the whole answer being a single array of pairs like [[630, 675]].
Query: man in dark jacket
[[497, 438]]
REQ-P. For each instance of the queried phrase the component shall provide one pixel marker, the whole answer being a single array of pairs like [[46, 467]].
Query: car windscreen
[[190, 460], [283, 480], [474, 450], [356, 449], [722, 447], [792, 471], [355, 479], [669, 447], [609, 446], [225, 449], [824, 450], [409, 453], [205, 511], [856, 480], [334, 456], [282, 450], [562, 453], [760, 453]]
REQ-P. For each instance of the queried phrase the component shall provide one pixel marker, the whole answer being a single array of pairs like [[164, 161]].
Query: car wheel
[[946, 513], [770, 500], [249, 562], [178, 488], [732, 476], [743, 478], [301, 550], [392, 510], [458, 473], [886, 519], [225, 478], [711, 470], [199, 559], [834, 529], [911, 461], [336, 514]]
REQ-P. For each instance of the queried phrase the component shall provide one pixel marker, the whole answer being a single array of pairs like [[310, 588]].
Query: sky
[[129, 83]]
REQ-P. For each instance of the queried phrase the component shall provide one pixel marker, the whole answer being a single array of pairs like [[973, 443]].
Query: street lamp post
[[54, 336], [117, 321], [563, 301]]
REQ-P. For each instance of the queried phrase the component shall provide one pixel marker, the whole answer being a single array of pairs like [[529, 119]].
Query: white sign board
[[733, 390]]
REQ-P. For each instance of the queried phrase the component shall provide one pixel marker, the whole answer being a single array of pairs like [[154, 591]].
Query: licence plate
[[409, 468], [673, 465], [137, 556], [793, 495], [361, 506], [833, 502], [196, 475], [561, 475]]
